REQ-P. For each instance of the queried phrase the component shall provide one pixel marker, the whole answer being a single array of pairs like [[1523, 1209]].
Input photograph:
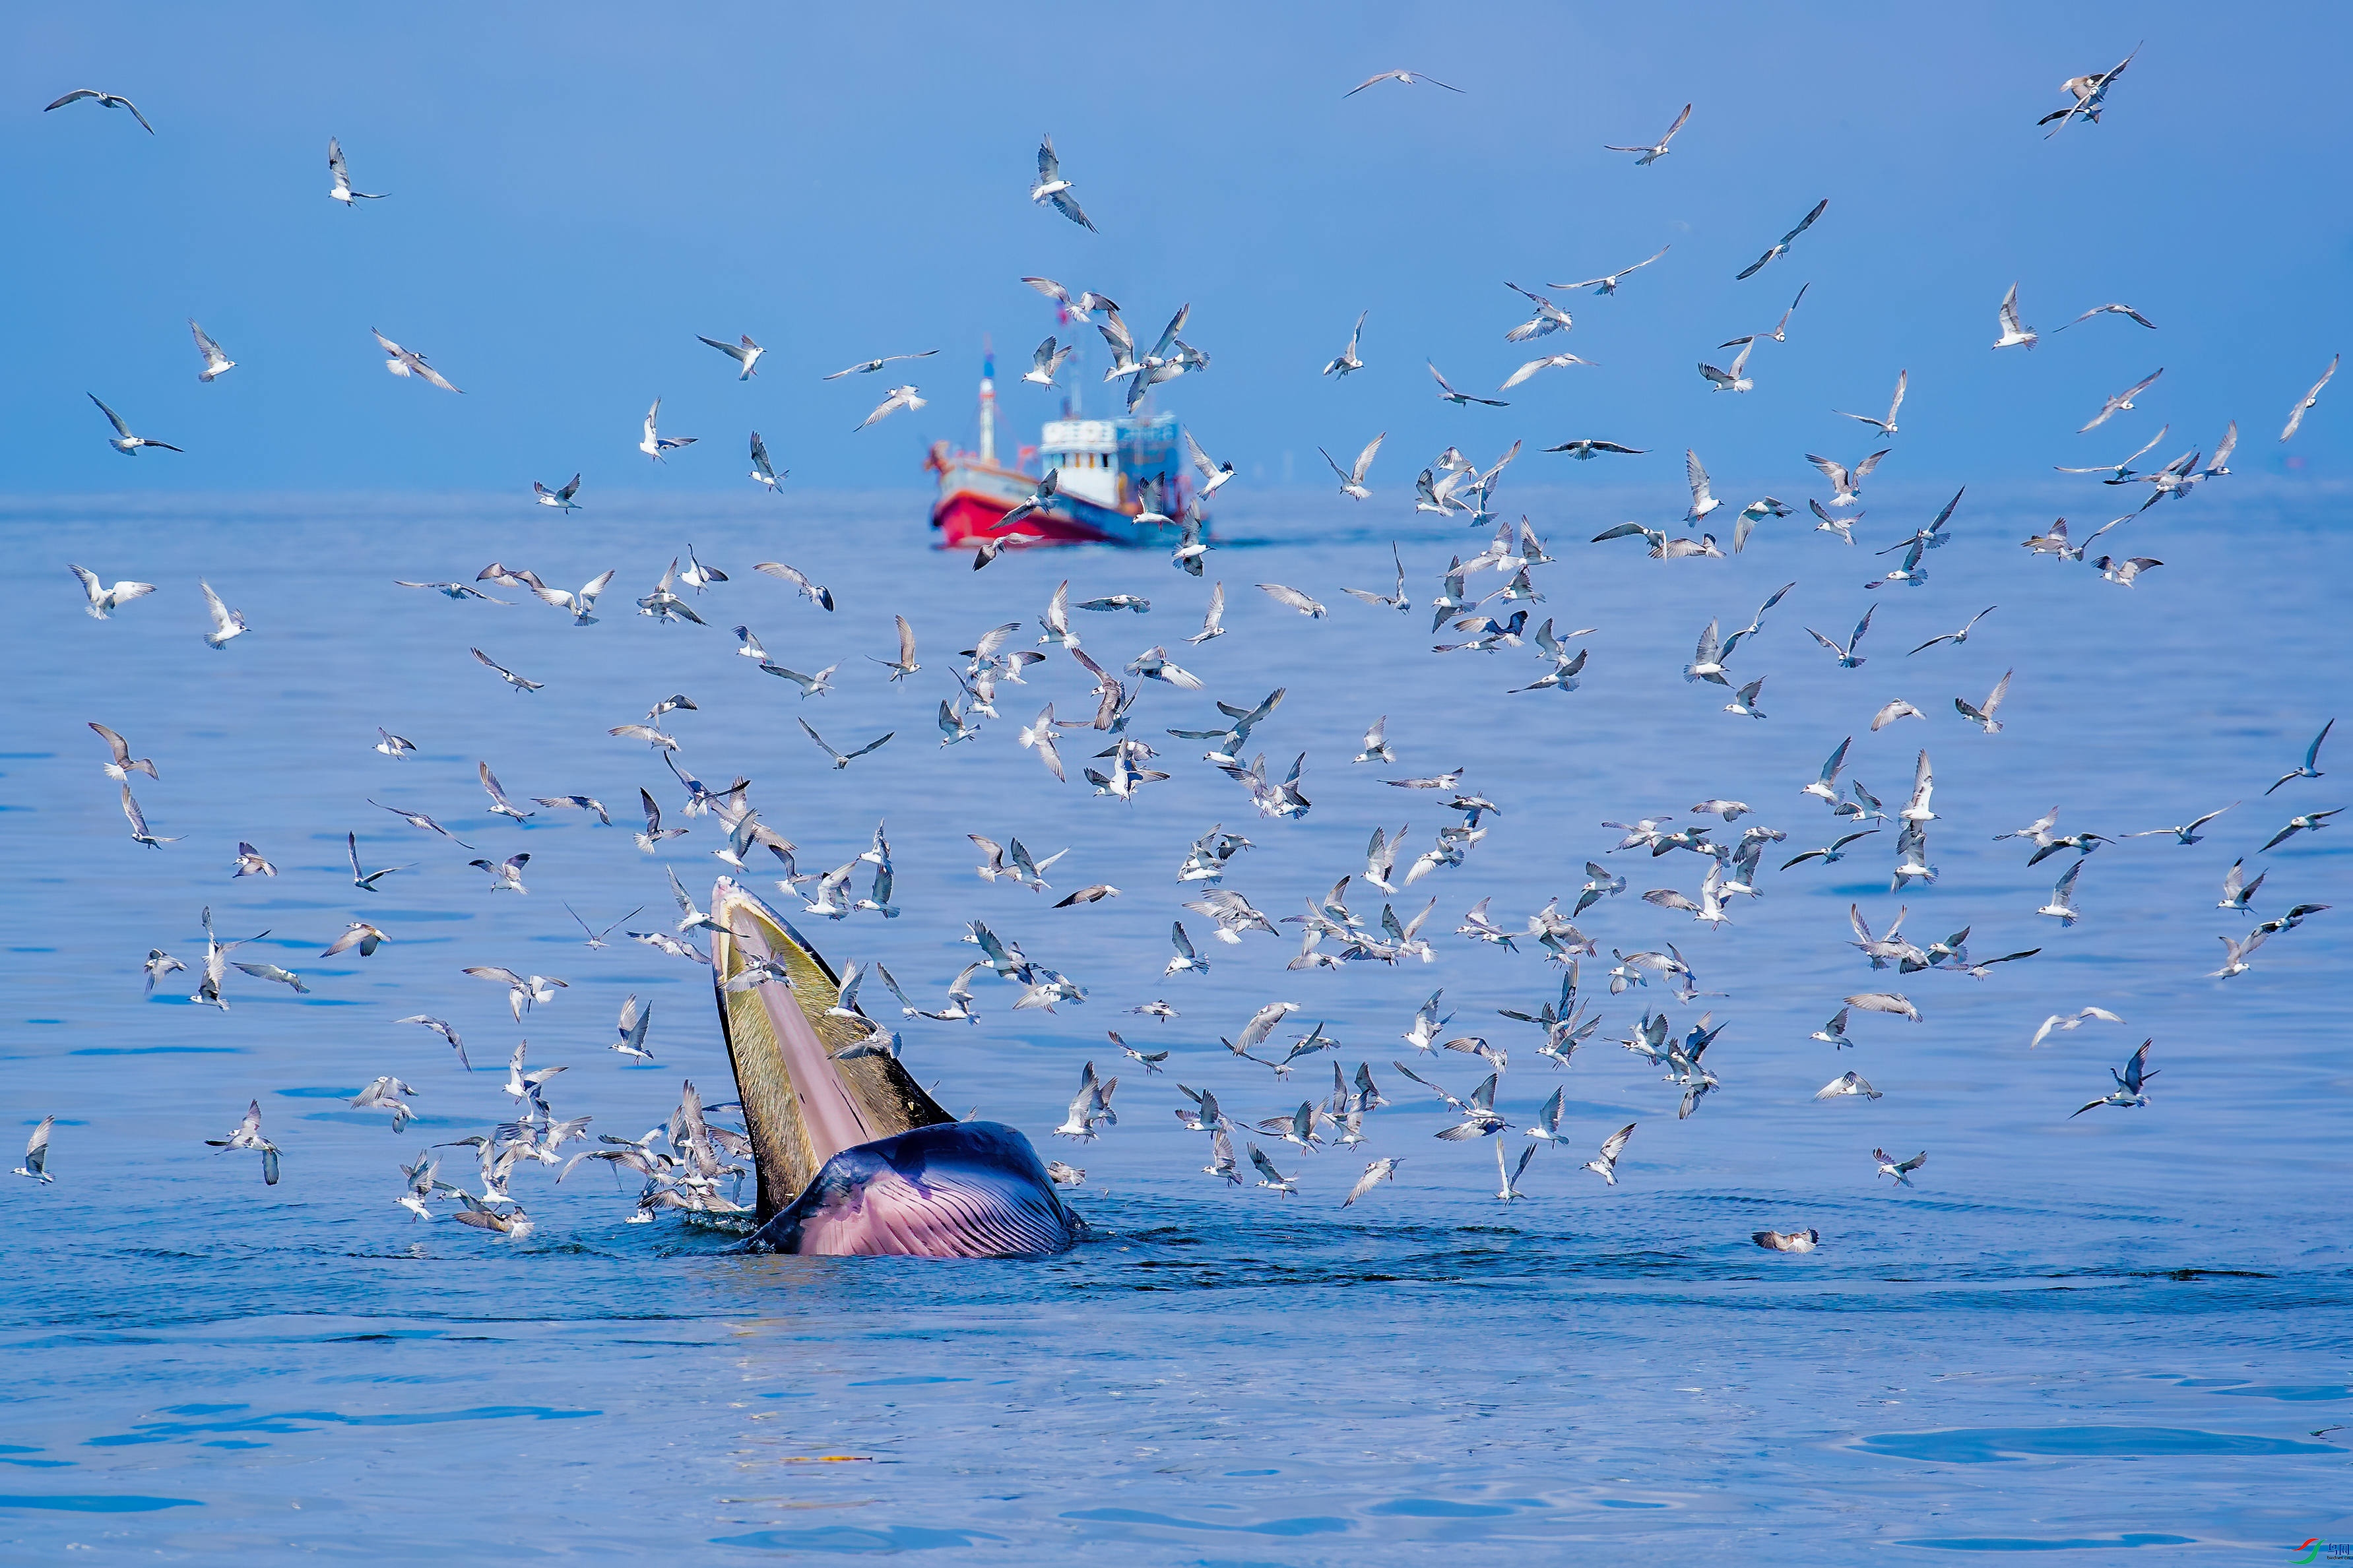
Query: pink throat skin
[[832, 1118]]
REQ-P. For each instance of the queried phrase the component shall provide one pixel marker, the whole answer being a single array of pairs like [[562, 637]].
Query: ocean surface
[[2123, 1335]]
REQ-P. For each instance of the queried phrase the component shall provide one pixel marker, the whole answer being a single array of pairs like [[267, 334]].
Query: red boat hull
[[964, 520]]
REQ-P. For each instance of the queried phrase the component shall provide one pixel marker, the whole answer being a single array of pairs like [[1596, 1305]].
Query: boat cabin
[[1113, 462]]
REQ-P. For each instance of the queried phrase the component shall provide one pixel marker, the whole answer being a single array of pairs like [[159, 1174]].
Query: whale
[[851, 1157]]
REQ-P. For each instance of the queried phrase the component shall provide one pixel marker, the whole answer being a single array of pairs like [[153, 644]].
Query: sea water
[[2122, 1333]]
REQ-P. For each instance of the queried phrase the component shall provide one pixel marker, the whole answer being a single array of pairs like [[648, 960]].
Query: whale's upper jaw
[[802, 1103], [968, 1189]]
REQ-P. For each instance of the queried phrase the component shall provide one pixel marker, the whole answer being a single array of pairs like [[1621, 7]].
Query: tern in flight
[[102, 599], [105, 100], [2187, 833], [1900, 1169], [226, 623], [654, 445], [842, 760], [2015, 333], [2310, 767], [123, 440], [867, 367], [2110, 310], [215, 361], [1846, 484], [1052, 187], [1352, 479], [562, 499], [1584, 449], [899, 397], [2295, 415], [1044, 362], [341, 190], [1607, 282], [1405, 77], [1957, 638], [37, 1149], [746, 353], [2132, 1083], [1982, 714], [1736, 378], [1550, 362], [2063, 1022], [1605, 1164], [407, 362], [2122, 402], [1460, 399], [1347, 361], [1781, 248], [2090, 92], [1213, 473], [1658, 149], [764, 471], [1885, 426]]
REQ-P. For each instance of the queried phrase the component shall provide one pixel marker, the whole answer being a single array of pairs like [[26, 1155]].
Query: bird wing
[[2296, 417], [1048, 288], [1807, 221], [1709, 650], [2011, 325], [112, 418], [120, 747], [2141, 386], [813, 736], [1207, 469]]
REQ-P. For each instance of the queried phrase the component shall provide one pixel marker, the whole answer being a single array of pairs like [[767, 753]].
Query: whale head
[[852, 1156]]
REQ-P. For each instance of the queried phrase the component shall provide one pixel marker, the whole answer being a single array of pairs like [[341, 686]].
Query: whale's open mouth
[[852, 1156]]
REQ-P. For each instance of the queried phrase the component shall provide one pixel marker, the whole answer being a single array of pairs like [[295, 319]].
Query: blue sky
[[577, 191]]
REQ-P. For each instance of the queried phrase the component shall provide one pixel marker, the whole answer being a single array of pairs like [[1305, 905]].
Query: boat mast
[[989, 406]]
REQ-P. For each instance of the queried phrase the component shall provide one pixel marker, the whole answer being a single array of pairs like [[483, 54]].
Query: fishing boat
[[1119, 481]]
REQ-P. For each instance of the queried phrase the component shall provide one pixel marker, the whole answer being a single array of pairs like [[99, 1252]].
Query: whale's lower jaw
[[961, 1189]]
